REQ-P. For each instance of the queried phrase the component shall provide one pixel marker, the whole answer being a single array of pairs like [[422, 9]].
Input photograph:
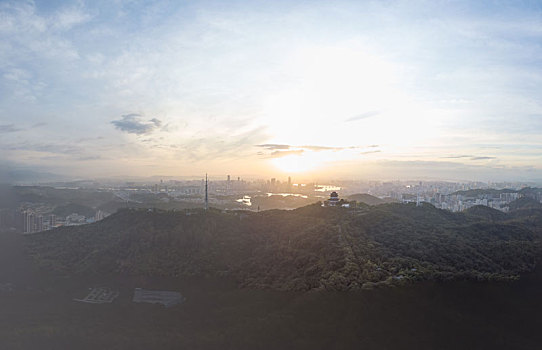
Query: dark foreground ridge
[[308, 248]]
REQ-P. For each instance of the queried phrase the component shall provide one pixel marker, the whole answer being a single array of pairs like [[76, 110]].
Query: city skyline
[[364, 90]]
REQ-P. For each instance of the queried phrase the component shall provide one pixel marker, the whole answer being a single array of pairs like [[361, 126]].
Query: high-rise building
[[29, 222], [100, 215], [39, 223], [52, 220]]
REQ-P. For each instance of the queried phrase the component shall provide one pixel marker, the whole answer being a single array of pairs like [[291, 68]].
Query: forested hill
[[312, 247], [369, 199]]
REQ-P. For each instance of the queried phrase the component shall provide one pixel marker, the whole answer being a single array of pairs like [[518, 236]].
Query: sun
[[297, 163]]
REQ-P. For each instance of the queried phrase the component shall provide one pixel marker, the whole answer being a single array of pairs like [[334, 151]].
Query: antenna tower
[[206, 192], [418, 202]]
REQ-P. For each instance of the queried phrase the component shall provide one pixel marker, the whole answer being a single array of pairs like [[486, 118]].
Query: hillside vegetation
[[312, 247], [525, 203], [369, 199]]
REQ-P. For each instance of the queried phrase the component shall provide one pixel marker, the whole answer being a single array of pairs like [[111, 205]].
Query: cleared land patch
[[100, 295], [166, 298]]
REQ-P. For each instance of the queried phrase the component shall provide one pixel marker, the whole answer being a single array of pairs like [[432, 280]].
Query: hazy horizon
[[348, 90]]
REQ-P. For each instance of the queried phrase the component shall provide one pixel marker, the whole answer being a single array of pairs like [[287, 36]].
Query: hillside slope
[[308, 248]]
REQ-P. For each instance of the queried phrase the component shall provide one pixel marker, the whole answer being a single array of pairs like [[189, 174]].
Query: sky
[[322, 89]]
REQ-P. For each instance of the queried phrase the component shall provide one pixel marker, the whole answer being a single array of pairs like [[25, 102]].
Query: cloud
[[457, 156], [220, 146], [156, 122], [482, 158], [38, 125], [319, 148], [70, 17], [44, 147], [470, 157], [362, 116], [327, 148], [369, 152], [282, 150], [132, 124], [278, 154], [314, 148], [85, 158], [5, 128], [272, 146]]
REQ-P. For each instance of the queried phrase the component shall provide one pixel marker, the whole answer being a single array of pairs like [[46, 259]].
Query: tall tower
[[418, 201], [206, 192], [228, 185]]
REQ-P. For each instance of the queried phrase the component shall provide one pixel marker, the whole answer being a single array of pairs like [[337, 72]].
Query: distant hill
[[524, 203], [369, 199], [8, 196], [280, 202], [71, 208], [61, 196], [486, 213], [312, 247], [530, 191]]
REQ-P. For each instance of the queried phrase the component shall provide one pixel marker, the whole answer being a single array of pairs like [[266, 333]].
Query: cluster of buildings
[[465, 199], [454, 196], [225, 186], [31, 221], [460, 202], [455, 201], [104, 295], [442, 194], [232, 193]]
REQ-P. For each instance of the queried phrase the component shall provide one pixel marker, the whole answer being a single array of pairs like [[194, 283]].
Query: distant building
[[75, 219], [39, 223], [189, 190], [100, 215], [333, 200], [29, 222]]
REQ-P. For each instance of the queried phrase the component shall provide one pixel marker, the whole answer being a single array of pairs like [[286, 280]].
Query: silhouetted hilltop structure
[[333, 200], [313, 247]]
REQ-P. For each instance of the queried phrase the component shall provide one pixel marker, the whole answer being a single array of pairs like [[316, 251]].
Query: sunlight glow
[[297, 163]]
